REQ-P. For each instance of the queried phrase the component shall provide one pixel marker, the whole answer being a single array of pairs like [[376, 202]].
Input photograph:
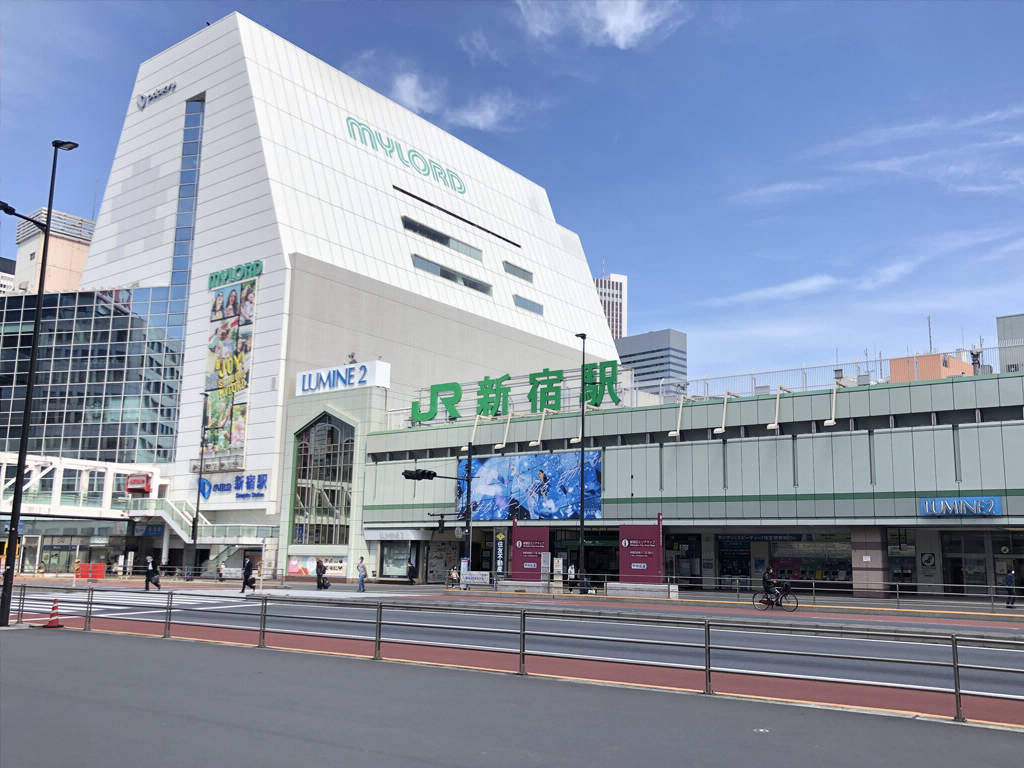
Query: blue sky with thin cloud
[[782, 181]]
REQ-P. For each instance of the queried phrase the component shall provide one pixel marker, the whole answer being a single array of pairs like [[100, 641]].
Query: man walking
[[410, 571], [1011, 588], [247, 574], [361, 571], [152, 576]]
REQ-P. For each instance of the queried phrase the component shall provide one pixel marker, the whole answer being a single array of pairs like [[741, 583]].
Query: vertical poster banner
[[640, 555], [500, 537], [528, 544], [229, 366]]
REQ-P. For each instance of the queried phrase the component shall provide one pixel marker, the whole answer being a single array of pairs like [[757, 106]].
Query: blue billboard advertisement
[[541, 486]]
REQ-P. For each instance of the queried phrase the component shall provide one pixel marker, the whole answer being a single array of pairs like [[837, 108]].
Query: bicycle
[[786, 600]]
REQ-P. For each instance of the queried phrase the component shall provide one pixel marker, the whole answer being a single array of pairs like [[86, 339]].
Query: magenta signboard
[[528, 544], [640, 558]]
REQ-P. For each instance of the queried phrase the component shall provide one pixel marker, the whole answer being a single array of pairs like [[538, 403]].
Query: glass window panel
[[179, 278], [187, 190], [183, 233], [195, 106], [183, 248], [193, 121], [187, 177], [185, 220], [190, 148], [189, 162]]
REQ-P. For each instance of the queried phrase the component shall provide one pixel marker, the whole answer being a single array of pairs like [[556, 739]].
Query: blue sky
[[782, 181]]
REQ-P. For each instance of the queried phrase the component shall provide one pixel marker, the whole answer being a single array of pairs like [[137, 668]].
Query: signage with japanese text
[[640, 556], [243, 486], [528, 545]]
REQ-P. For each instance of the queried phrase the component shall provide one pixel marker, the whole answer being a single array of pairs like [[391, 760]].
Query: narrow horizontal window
[[437, 207], [440, 237], [532, 306], [522, 274], [450, 274]]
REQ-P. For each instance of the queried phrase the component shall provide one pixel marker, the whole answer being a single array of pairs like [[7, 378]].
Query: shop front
[[796, 557]]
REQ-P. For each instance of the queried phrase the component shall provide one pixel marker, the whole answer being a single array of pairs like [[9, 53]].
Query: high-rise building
[[69, 247], [1010, 331], [657, 360], [612, 290], [6, 276]]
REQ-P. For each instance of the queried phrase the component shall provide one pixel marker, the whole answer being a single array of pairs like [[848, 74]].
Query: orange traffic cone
[[54, 622]]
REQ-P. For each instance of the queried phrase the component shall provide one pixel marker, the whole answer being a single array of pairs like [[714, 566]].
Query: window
[[532, 306], [522, 274], [440, 237], [322, 496], [450, 274]]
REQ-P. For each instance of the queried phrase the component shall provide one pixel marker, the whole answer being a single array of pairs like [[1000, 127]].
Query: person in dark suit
[[247, 573], [321, 570], [152, 574], [410, 571]]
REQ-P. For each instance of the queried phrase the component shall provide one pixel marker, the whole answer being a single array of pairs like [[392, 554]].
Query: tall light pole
[[583, 440], [26, 416], [199, 485]]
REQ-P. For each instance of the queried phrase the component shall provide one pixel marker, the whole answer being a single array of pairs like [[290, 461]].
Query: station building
[[297, 289]]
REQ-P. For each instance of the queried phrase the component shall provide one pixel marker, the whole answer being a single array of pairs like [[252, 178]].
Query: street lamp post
[[583, 439], [26, 416], [199, 485]]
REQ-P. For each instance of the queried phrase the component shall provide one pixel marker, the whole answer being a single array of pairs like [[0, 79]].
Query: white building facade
[[304, 220]]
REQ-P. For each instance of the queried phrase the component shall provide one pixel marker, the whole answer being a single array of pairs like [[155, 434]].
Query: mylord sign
[[235, 274], [961, 506], [338, 378], [409, 157]]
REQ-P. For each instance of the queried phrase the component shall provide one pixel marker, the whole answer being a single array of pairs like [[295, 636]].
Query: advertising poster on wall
[[306, 566], [229, 366], [542, 486], [528, 547], [640, 554]]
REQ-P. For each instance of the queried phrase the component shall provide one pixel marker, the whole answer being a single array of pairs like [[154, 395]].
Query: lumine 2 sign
[[492, 398], [410, 158]]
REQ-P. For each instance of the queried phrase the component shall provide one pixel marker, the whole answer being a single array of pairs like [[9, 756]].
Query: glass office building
[[109, 373]]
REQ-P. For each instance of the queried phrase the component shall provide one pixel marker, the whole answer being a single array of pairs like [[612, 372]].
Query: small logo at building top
[[205, 486], [143, 100]]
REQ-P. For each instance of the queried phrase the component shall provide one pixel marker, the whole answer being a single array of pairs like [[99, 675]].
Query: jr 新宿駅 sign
[[600, 380], [961, 506], [375, 373]]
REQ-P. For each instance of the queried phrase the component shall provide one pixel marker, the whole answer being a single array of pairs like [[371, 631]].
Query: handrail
[[95, 602]]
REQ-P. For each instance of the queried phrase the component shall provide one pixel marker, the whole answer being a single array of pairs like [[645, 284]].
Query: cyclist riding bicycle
[[770, 585]]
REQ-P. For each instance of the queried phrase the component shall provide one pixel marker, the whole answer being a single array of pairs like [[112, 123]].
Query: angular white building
[[302, 220]]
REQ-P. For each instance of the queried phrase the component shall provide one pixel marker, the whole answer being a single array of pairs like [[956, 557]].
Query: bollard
[[263, 623], [707, 657], [522, 642], [21, 605], [992, 603], [88, 611], [814, 592], [956, 683], [897, 594], [167, 616], [376, 637]]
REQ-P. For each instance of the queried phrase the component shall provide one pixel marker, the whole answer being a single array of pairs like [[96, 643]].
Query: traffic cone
[[54, 622]]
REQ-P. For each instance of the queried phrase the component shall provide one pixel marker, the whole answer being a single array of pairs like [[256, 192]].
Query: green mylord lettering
[[234, 274]]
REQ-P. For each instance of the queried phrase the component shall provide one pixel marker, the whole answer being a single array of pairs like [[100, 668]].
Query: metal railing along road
[[517, 638]]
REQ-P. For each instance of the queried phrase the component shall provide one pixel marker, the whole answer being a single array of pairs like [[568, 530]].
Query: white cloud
[[623, 24], [489, 112], [773, 193], [805, 286], [478, 47], [412, 91]]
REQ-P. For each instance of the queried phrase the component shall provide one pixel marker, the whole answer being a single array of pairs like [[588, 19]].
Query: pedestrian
[[321, 570], [571, 577], [152, 575], [220, 571], [247, 574], [410, 571], [1011, 588], [361, 570], [453, 576]]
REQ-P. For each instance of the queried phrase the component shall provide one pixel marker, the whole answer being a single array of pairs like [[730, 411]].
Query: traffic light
[[419, 474]]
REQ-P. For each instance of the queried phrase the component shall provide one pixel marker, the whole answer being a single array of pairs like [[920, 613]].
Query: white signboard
[[339, 378]]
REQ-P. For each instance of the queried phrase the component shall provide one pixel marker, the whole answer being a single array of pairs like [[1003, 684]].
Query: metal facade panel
[[945, 472], [902, 456], [842, 463], [1013, 456], [734, 466], [942, 396], [970, 457], [990, 444], [860, 463], [987, 391], [923, 441], [1011, 390], [878, 401], [824, 478], [703, 484], [921, 399], [899, 400], [751, 468], [805, 464], [964, 395], [767, 463], [783, 449]]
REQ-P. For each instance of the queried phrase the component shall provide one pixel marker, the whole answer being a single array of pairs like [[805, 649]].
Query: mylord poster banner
[[640, 558], [528, 544], [229, 363], [536, 486]]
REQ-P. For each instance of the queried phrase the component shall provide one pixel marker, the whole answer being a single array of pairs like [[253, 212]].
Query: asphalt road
[[605, 637], [123, 700]]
